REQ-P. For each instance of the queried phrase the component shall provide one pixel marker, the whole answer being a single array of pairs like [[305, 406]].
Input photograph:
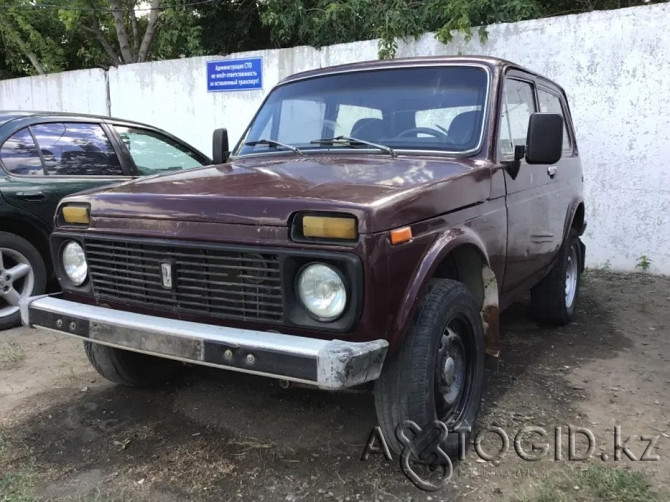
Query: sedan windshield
[[437, 108]]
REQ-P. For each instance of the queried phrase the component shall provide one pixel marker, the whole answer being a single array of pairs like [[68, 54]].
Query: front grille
[[223, 283]]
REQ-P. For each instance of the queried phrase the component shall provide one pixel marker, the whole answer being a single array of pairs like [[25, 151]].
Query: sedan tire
[[22, 274]]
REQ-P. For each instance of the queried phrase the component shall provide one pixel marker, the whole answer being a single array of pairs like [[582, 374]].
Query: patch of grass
[[11, 355], [595, 483], [16, 487]]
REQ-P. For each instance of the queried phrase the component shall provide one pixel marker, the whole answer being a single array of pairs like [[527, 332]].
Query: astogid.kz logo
[[424, 461], [418, 445]]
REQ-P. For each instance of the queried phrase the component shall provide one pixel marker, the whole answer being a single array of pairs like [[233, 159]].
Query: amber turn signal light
[[329, 227], [400, 235], [75, 215]]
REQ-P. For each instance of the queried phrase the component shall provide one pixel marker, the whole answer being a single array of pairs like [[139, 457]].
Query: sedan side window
[[19, 155], [76, 149], [154, 153], [517, 106]]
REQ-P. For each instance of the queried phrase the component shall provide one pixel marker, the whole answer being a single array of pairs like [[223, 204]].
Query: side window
[[517, 107], [301, 121], [19, 155], [551, 103], [153, 153], [352, 119], [76, 149]]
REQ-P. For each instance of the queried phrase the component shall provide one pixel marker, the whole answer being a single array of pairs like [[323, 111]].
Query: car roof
[[487, 61], [9, 115]]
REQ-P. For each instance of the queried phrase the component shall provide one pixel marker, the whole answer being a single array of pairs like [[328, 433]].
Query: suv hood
[[382, 192]]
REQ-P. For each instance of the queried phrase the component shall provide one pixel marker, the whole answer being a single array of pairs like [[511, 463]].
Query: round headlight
[[322, 291], [74, 263]]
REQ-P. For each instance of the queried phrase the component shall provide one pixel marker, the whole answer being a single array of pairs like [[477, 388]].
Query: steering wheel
[[425, 130]]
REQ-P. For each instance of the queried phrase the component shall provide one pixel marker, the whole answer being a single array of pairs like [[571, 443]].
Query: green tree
[[324, 22], [31, 38], [42, 36]]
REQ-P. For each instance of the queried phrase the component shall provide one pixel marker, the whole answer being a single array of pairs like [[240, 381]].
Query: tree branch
[[15, 36], [100, 36], [150, 31], [136, 34], [121, 33]]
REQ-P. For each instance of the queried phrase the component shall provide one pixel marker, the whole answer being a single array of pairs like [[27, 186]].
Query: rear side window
[[76, 149], [551, 103], [154, 153], [357, 121], [19, 155], [301, 121]]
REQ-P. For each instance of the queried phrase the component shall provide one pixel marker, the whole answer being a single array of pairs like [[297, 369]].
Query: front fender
[[440, 248]]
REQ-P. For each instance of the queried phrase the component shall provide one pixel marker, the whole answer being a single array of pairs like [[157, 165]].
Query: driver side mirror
[[220, 151], [544, 143]]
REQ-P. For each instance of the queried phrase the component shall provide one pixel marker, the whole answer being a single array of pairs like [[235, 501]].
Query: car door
[[535, 221], [568, 172], [49, 160], [152, 152]]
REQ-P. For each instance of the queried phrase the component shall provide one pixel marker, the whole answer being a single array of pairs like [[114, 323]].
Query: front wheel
[[22, 274], [554, 299], [130, 368], [438, 373]]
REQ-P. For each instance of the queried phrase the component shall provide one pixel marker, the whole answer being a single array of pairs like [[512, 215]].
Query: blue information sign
[[235, 74]]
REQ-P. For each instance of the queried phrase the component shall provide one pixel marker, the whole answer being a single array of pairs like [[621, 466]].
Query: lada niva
[[370, 225]]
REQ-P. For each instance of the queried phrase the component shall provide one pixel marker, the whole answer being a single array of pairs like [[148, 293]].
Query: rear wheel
[[438, 374], [554, 299], [22, 274], [130, 368]]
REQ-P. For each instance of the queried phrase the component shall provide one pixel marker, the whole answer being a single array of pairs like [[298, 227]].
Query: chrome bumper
[[330, 364]]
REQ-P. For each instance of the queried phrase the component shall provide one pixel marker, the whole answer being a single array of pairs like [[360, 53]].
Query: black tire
[[410, 388], [550, 298], [130, 368], [15, 250]]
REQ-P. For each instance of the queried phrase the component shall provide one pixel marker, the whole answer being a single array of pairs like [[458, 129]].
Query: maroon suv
[[370, 225]]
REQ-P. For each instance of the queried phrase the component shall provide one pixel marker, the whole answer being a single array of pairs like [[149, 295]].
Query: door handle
[[34, 196], [551, 171]]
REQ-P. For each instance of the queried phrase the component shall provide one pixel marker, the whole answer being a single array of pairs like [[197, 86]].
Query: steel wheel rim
[[571, 277], [453, 370], [17, 280]]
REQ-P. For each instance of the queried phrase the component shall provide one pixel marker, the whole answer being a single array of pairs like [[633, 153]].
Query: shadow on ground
[[216, 435]]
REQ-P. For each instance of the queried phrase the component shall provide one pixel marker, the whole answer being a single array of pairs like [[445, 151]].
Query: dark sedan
[[45, 156]]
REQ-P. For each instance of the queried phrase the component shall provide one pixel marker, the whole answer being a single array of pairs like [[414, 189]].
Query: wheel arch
[[459, 254], [31, 231], [575, 218]]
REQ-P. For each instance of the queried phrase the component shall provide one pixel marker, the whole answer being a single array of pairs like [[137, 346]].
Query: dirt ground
[[65, 433]]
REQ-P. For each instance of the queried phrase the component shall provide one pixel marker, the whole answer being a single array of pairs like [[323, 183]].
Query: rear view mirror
[[545, 138], [220, 152]]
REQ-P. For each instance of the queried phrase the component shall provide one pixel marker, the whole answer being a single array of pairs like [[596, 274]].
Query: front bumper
[[329, 364]]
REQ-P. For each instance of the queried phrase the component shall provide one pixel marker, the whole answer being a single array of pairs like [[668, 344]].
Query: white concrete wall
[[83, 91], [614, 65]]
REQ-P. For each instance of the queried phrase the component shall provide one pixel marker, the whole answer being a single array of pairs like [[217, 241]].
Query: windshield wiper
[[354, 141], [274, 144]]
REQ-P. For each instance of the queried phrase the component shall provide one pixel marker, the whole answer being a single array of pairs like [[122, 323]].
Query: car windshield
[[437, 108]]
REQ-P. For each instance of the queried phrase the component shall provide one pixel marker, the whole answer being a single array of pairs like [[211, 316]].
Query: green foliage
[[325, 22], [41, 36], [643, 263]]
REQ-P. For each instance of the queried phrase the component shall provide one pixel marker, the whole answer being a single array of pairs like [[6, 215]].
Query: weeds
[[11, 355], [595, 483], [643, 263]]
